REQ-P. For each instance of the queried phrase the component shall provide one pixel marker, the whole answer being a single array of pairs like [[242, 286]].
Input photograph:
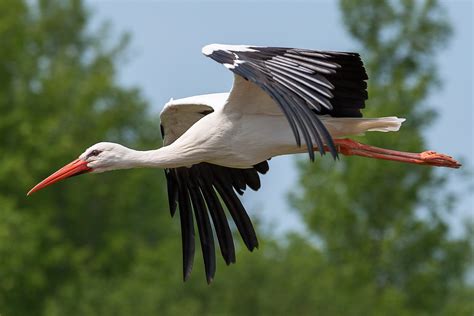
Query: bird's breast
[[252, 138]]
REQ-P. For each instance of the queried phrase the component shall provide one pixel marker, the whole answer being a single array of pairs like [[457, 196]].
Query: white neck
[[164, 157]]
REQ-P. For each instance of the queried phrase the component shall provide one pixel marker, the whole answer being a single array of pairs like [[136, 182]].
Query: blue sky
[[165, 61]]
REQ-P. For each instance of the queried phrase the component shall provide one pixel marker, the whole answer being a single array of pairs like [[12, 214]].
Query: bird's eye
[[95, 152]]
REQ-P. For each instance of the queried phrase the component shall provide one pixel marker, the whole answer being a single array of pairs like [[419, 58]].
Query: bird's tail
[[382, 124], [346, 126]]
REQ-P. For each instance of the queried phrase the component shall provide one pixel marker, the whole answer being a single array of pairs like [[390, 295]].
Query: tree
[[378, 222], [106, 246], [58, 95], [377, 257]]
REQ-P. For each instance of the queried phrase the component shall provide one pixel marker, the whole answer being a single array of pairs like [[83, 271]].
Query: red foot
[[435, 159], [350, 147]]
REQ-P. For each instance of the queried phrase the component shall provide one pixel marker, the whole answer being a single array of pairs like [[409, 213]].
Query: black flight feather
[[203, 224], [201, 189], [325, 83], [236, 210], [224, 235], [187, 225]]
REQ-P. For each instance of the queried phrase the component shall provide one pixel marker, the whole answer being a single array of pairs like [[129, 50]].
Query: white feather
[[211, 48]]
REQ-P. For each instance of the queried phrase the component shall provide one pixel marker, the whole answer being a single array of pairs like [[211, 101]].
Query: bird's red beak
[[74, 168]]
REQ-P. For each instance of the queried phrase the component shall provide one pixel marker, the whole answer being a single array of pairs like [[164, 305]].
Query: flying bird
[[283, 101]]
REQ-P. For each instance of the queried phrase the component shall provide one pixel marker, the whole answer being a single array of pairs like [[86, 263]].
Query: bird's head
[[95, 159]]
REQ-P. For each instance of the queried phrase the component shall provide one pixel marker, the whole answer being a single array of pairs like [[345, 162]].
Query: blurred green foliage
[[58, 95], [382, 224], [105, 245]]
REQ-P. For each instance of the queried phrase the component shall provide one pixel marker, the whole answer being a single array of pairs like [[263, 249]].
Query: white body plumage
[[240, 134]]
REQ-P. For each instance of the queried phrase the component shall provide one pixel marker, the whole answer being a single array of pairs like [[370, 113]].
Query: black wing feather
[[202, 189], [305, 83], [172, 190], [224, 235], [203, 224], [223, 185], [187, 225]]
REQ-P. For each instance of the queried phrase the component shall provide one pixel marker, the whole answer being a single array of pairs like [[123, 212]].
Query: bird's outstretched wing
[[205, 189], [304, 83]]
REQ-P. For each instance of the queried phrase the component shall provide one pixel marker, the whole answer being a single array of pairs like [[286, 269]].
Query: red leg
[[350, 147]]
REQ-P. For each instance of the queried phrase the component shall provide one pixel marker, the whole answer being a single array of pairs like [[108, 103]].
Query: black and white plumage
[[304, 84], [217, 145], [301, 81]]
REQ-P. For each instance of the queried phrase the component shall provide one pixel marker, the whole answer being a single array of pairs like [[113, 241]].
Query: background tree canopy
[[103, 245]]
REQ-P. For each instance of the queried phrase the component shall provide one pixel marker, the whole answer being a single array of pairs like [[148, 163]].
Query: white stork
[[216, 145]]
